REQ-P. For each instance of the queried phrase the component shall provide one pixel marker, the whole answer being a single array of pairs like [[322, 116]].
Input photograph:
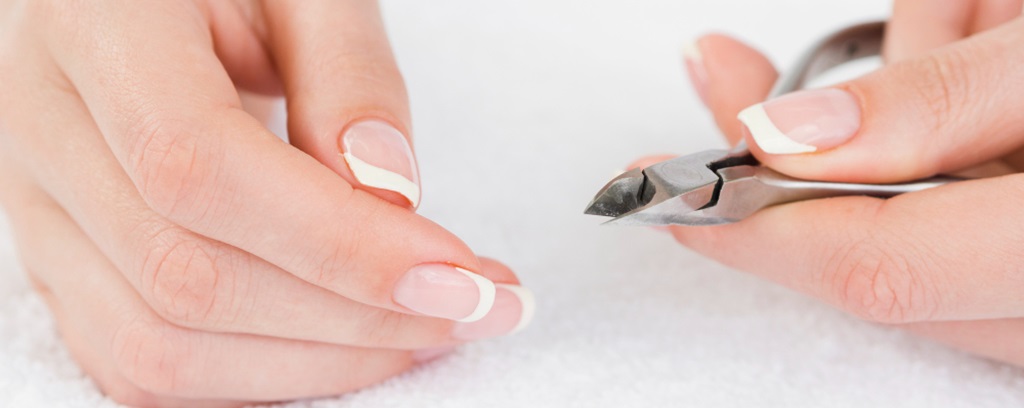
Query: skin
[[126, 161], [191, 257], [945, 263]]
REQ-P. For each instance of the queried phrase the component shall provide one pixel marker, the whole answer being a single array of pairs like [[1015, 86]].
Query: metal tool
[[719, 186]]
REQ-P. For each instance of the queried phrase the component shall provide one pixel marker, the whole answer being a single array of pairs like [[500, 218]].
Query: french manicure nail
[[513, 310], [695, 69], [380, 157], [803, 122], [442, 290]]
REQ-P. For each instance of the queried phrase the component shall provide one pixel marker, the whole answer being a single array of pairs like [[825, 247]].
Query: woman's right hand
[[944, 262], [187, 253]]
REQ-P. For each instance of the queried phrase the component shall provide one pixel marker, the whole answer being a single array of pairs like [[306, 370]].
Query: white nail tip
[[768, 137], [486, 299], [373, 176], [529, 305], [692, 52]]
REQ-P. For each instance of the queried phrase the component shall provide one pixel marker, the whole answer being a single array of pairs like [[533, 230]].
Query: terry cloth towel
[[522, 110]]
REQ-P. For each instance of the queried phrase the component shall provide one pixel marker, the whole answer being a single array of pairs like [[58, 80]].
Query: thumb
[[943, 111]]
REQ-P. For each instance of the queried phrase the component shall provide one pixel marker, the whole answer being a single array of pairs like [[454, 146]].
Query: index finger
[[171, 116]]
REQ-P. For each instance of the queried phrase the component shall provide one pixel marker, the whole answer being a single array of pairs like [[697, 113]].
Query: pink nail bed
[[379, 156], [804, 121], [442, 290]]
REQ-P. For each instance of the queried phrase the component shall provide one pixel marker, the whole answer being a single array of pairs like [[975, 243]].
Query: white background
[[522, 110]]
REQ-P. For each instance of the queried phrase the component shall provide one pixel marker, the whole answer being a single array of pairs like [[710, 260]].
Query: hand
[[947, 262], [188, 254]]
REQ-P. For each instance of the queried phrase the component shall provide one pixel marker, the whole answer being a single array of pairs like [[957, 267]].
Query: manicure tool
[[720, 187]]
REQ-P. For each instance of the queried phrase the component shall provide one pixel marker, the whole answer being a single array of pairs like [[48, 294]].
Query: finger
[[175, 125], [169, 361], [940, 112], [188, 279], [80, 343], [918, 26], [34, 226], [939, 254], [347, 105], [730, 76], [997, 339], [993, 13], [238, 37], [514, 307]]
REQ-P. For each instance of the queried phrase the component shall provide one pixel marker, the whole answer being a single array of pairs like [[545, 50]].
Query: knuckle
[[389, 329], [379, 327], [173, 168], [343, 268], [152, 356], [184, 283], [327, 273], [878, 284], [944, 87]]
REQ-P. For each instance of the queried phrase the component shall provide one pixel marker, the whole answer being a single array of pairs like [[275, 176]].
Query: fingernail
[[380, 157], [695, 69], [513, 310], [428, 354], [442, 290], [803, 122]]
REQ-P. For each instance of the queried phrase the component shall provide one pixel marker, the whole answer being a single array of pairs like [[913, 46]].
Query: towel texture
[[522, 110]]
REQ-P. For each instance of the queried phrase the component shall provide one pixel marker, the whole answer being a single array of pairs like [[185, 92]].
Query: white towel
[[522, 110]]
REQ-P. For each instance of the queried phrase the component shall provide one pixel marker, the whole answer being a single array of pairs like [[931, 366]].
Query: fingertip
[[512, 311], [709, 241], [497, 271], [724, 54], [737, 76], [380, 158], [696, 71], [918, 26]]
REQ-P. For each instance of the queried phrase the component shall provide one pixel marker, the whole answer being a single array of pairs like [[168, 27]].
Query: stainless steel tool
[[719, 186]]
